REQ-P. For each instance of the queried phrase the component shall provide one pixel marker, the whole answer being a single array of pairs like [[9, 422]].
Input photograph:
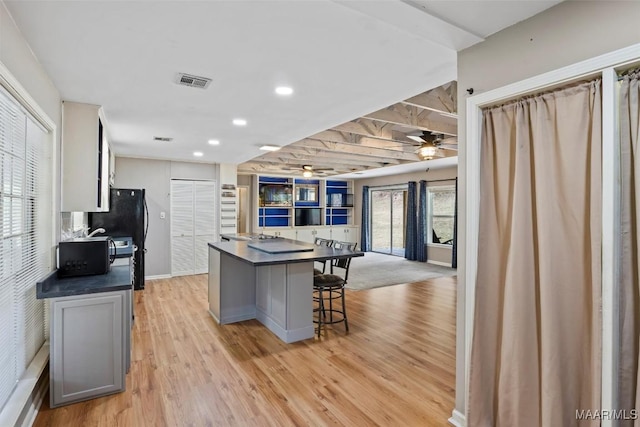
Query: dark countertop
[[239, 249], [117, 279]]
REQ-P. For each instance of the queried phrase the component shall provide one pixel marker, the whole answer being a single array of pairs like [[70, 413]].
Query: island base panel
[[235, 300], [284, 297]]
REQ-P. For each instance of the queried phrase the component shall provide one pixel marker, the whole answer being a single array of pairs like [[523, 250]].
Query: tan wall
[[435, 253], [568, 33]]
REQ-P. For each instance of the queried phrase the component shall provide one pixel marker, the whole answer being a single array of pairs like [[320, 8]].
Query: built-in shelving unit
[[303, 209], [228, 207], [275, 201], [339, 200]]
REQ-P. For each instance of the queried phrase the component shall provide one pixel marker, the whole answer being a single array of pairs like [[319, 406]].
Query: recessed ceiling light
[[270, 147], [239, 122], [198, 153], [214, 142], [284, 90]]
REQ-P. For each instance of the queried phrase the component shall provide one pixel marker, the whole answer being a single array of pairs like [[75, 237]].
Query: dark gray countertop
[[239, 249], [118, 279]]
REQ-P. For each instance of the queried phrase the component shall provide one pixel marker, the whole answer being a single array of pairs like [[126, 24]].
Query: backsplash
[[73, 224]]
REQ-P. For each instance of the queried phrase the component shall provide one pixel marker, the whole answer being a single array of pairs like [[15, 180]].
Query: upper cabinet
[[85, 159]]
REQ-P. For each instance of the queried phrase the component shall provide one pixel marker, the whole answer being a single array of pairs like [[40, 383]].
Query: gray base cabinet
[[89, 346]]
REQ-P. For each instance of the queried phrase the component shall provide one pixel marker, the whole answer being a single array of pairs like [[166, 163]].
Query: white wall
[[565, 34], [155, 177], [435, 253], [16, 56]]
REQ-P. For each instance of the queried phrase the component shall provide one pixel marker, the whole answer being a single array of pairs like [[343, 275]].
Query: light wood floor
[[395, 367]]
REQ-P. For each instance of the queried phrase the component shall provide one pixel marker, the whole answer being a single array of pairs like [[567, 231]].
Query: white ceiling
[[344, 59]]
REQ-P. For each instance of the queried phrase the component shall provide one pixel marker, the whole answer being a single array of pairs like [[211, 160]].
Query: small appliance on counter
[[85, 256]]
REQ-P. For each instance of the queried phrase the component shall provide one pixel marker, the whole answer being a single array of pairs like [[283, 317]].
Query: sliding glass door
[[388, 213]]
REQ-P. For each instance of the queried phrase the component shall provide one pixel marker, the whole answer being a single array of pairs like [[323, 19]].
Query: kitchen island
[[268, 279]]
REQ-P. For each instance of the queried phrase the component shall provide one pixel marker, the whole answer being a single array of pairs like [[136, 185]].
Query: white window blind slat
[[25, 239]]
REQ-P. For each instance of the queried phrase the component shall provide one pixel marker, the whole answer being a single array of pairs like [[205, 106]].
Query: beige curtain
[[628, 395], [535, 356]]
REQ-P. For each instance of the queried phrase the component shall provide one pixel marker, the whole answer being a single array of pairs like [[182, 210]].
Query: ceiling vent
[[162, 139], [192, 81]]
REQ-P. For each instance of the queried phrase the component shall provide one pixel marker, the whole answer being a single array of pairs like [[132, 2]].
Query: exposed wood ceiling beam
[[364, 127], [411, 116], [350, 138], [358, 149], [309, 159], [258, 167], [328, 155], [440, 99], [373, 129]]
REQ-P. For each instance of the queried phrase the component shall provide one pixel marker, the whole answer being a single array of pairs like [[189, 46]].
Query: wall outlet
[[163, 215]]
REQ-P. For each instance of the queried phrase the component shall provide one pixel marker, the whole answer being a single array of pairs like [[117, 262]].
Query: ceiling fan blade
[[449, 147]]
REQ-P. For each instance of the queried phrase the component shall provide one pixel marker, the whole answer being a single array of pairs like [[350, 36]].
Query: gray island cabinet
[[90, 333], [270, 280]]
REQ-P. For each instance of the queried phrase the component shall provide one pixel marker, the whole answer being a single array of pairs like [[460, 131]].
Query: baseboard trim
[[25, 399], [457, 419], [38, 398], [158, 277], [444, 264]]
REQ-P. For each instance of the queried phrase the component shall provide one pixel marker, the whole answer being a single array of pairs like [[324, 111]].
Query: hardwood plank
[[396, 365]]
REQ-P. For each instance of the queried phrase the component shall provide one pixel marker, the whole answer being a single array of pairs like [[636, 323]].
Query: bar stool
[[329, 287], [319, 241]]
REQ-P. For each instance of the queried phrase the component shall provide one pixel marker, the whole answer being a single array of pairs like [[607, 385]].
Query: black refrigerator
[[127, 217]]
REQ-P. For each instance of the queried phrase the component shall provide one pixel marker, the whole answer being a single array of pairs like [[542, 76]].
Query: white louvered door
[[205, 220], [193, 225], [182, 227]]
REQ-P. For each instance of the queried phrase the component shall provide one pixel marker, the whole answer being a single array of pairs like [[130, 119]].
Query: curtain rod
[[628, 73]]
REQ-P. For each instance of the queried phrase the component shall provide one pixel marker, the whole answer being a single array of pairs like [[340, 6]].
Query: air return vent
[[162, 139], [192, 81]]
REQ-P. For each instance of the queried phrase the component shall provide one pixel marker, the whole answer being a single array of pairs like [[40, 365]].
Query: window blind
[[25, 238]]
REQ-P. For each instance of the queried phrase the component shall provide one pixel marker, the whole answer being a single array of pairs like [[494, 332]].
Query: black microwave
[[84, 256]]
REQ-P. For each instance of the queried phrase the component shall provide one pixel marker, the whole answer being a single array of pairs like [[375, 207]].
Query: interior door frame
[[247, 208], [391, 188], [604, 66]]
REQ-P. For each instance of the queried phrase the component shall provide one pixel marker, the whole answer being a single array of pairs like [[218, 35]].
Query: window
[[440, 214], [25, 238]]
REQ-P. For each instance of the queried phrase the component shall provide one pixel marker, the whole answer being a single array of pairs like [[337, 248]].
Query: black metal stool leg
[[344, 312]]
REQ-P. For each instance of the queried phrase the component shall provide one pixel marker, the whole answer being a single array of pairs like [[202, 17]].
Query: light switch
[[163, 215]]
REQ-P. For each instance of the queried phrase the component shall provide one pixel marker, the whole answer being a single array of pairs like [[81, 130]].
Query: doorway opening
[[388, 213]]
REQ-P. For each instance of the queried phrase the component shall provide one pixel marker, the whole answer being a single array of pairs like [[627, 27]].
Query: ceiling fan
[[431, 143], [308, 170]]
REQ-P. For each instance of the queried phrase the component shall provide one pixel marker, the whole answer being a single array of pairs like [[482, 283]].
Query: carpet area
[[374, 270]]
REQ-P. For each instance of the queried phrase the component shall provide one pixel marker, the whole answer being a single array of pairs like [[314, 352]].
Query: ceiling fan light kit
[[428, 150]]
